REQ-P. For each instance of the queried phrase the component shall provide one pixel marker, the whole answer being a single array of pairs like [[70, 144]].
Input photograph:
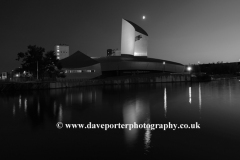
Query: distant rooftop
[[77, 60], [61, 45]]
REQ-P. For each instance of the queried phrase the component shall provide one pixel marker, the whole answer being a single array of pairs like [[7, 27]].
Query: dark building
[[109, 52]]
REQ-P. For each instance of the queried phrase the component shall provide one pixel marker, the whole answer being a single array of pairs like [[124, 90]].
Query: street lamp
[[199, 67], [163, 67], [189, 69]]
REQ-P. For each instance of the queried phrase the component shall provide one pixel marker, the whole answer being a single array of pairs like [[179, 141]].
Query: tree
[[34, 62], [52, 65]]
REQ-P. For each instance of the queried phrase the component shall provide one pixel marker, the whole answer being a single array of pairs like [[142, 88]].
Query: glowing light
[[143, 17], [189, 68]]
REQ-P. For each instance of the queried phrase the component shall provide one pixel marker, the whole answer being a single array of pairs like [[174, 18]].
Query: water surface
[[29, 120]]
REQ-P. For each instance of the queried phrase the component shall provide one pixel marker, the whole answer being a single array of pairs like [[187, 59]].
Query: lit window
[[57, 50], [79, 71]]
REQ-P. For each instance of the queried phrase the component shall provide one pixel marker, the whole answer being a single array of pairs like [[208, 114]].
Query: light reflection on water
[[20, 101], [134, 111], [230, 93], [38, 107], [165, 102], [60, 114], [14, 110], [190, 95], [215, 105], [147, 137], [25, 105], [200, 99]]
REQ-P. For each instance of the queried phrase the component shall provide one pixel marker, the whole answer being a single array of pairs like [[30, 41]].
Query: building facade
[[62, 51], [134, 40], [80, 66], [131, 59]]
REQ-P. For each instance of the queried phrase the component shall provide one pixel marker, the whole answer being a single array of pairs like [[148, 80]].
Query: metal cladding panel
[[133, 66], [128, 38], [141, 44], [174, 68], [180, 69], [130, 65], [139, 65], [110, 66], [125, 66], [154, 66], [170, 67]]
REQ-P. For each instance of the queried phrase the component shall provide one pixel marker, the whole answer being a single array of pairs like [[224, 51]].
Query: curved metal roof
[[132, 58], [137, 28]]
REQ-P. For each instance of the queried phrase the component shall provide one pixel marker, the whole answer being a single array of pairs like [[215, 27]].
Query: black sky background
[[185, 31]]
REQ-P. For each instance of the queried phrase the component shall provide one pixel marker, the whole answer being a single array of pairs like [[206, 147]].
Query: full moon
[[143, 17]]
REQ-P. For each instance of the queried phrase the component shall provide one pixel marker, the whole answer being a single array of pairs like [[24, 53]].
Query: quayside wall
[[107, 81]]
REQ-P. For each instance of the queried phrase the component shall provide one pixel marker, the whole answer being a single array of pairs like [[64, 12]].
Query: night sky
[[184, 31]]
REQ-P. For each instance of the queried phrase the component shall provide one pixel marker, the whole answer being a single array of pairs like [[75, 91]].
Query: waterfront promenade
[[64, 83]]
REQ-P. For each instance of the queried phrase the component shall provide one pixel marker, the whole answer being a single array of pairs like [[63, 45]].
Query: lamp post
[[163, 67]]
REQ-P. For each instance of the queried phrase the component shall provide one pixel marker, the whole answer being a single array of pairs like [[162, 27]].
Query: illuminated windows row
[[79, 71], [61, 52]]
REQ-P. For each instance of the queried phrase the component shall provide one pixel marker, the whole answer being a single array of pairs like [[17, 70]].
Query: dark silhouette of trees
[[38, 64], [217, 68]]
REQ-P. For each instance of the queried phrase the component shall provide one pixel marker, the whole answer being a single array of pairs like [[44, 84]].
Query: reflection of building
[[132, 59], [62, 51], [4, 76]]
